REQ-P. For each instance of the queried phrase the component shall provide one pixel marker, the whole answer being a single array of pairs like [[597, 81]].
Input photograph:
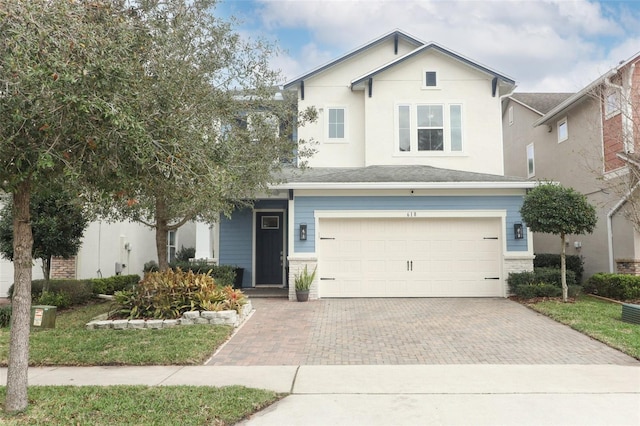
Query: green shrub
[[185, 253], [61, 300], [574, 291], [77, 292], [529, 291], [575, 263], [5, 316], [614, 286], [223, 274], [553, 276], [539, 275], [171, 293], [112, 284]]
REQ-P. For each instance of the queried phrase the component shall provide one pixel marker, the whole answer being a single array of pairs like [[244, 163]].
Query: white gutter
[[406, 185]]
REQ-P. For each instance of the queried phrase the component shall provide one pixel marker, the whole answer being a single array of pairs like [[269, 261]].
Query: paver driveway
[[407, 331]]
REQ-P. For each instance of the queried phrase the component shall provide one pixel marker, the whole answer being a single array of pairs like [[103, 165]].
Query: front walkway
[[407, 331]]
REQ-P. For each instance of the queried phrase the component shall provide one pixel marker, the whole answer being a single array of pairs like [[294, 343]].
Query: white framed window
[[511, 115], [612, 102], [336, 119], [429, 128], [429, 79], [531, 165], [171, 246], [563, 130]]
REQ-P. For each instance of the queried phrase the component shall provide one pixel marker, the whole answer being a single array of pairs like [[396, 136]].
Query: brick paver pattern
[[407, 331]]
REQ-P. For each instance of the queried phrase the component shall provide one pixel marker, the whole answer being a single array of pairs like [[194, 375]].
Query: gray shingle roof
[[389, 174], [541, 102]]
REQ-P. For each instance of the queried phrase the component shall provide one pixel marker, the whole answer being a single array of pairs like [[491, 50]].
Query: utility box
[[43, 316]]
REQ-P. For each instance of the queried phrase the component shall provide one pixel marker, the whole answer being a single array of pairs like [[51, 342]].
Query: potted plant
[[303, 281]]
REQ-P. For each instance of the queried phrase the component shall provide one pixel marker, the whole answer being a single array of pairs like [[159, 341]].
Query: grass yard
[[139, 405], [596, 318], [70, 344]]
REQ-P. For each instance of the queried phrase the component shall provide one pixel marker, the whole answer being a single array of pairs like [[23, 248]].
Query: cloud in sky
[[551, 45]]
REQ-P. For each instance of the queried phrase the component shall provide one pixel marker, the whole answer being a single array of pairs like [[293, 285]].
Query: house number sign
[[412, 214]]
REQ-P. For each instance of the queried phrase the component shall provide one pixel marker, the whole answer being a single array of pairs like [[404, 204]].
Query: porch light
[[518, 231], [303, 232]]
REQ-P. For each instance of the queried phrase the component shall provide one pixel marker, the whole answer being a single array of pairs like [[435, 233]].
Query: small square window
[[430, 79], [270, 222]]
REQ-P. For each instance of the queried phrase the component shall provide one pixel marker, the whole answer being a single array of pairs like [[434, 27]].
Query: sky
[[544, 45]]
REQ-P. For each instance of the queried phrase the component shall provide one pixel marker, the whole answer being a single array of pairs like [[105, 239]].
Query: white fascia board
[[406, 185]]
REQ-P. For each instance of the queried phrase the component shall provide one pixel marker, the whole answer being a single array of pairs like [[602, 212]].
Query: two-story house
[[406, 195], [581, 140]]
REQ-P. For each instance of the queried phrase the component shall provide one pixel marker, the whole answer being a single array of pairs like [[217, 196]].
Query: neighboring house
[[580, 140], [406, 195]]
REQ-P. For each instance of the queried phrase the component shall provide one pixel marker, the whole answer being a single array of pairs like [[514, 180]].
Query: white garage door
[[413, 257]]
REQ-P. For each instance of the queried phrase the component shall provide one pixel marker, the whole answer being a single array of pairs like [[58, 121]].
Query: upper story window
[[563, 130], [336, 122], [531, 166], [429, 128], [511, 115], [430, 79], [611, 102]]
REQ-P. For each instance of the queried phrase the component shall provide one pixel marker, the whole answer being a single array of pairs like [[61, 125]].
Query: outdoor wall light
[[303, 232], [518, 231]]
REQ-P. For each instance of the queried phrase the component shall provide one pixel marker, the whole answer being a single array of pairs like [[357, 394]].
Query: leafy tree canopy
[[554, 209]]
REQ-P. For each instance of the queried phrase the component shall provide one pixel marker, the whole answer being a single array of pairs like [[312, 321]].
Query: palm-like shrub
[[170, 293]]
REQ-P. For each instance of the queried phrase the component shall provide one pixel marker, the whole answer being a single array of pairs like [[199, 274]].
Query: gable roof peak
[[391, 34]]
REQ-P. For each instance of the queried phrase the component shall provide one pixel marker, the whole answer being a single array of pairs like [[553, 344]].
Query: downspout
[[613, 211], [628, 148]]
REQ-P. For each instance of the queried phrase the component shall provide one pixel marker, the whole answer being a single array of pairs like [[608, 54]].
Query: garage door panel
[[425, 257]]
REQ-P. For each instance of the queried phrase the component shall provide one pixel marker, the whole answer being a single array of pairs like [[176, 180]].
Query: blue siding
[[236, 243], [306, 206]]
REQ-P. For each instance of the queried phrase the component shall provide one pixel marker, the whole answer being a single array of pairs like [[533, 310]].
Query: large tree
[[68, 74], [210, 98], [554, 209], [58, 221]]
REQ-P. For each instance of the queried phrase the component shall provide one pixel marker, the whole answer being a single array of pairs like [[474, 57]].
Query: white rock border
[[188, 318]]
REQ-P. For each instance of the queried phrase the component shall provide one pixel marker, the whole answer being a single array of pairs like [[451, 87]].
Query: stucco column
[[203, 241]]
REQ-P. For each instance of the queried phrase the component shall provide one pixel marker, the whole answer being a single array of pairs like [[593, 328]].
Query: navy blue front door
[[269, 247]]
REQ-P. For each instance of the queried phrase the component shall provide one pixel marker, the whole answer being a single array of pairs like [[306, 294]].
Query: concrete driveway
[[407, 331]]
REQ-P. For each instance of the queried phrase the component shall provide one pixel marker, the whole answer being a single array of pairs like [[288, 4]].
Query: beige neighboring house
[[580, 140]]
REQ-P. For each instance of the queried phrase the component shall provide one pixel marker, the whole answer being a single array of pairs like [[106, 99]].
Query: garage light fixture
[[518, 231], [303, 232]]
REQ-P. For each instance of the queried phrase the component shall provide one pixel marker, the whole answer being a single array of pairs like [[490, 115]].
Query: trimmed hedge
[[539, 275], [575, 263], [614, 286], [62, 293], [112, 284]]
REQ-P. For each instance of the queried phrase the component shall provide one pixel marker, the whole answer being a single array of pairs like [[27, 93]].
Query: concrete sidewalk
[[402, 394]]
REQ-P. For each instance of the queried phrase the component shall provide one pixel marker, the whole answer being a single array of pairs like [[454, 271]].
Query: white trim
[[328, 139], [406, 185], [366, 214]]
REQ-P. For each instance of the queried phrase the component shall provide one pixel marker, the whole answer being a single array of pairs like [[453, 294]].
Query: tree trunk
[[46, 271], [563, 269], [16, 399], [161, 234]]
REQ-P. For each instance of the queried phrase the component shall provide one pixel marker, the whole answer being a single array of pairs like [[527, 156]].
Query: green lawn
[[596, 318], [139, 405], [69, 343]]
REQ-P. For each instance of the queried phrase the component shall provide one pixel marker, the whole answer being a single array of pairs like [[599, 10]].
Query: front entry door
[[269, 247]]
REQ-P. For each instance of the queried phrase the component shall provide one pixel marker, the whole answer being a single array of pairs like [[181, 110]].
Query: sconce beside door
[[303, 232], [518, 231]]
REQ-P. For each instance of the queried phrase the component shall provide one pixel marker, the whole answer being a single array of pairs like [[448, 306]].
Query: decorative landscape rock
[[188, 318]]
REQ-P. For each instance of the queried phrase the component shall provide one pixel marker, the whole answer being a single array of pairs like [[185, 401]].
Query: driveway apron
[[407, 331]]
